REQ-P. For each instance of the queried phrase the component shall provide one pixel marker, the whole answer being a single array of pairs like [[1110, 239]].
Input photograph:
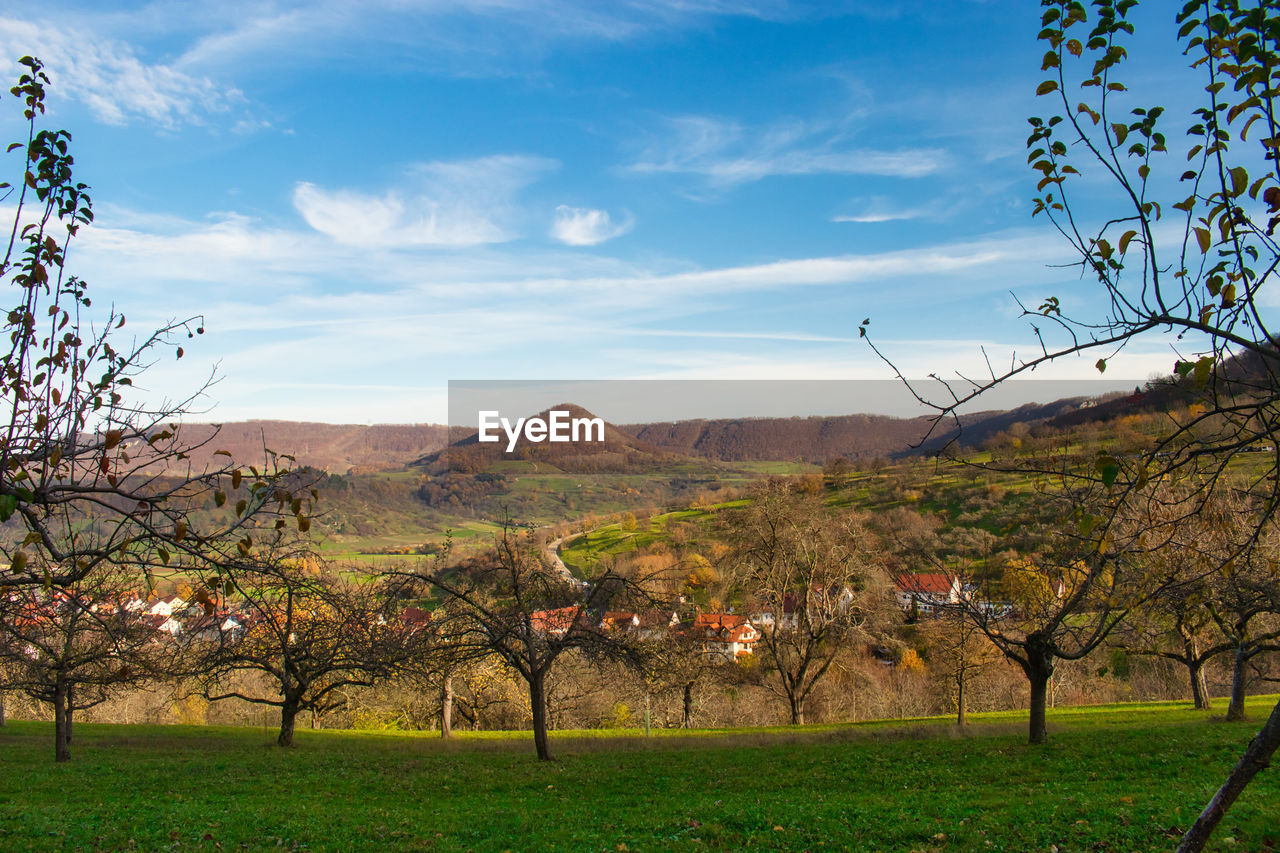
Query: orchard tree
[[675, 661], [1183, 246], [1175, 625], [959, 654], [73, 647], [510, 602], [1059, 604], [93, 475], [308, 633], [1223, 601], [812, 576], [1242, 599]]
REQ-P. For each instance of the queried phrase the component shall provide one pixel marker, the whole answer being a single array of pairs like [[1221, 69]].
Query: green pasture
[[1112, 778]]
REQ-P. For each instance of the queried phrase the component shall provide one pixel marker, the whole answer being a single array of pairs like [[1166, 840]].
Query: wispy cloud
[[111, 80], [726, 153], [789, 337], [460, 37], [583, 226], [881, 209], [463, 203], [403, 316], [242, 255]]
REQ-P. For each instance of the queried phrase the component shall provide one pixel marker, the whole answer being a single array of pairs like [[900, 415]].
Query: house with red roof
[[762, 612], [414, 618], [163, 624], [167, 606], [554, 623], [619, 620], [726, 635], [927, 592]]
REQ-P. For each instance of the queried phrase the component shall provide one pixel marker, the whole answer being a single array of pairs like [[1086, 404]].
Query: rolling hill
[[334, 448]]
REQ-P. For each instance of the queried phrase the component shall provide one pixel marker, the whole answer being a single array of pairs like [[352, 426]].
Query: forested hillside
[[335, 448]]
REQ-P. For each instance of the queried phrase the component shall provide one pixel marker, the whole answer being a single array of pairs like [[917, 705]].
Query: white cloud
[[583, 226], [465, 37], [108, 77], [727, 154], [881, 209], [243, 255], [464, 203], [788, 337], [290, 308], [916, 359]]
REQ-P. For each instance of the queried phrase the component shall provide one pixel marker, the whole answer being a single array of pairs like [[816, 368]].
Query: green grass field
[[1115, 778]]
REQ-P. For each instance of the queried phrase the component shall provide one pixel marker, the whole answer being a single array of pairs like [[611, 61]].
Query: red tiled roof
[[415, 616], [928, 583], [725, 627], [557, 621], [619, 619], [716, 621]]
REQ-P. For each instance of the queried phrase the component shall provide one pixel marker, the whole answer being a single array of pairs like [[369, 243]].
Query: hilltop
[[620, 451]]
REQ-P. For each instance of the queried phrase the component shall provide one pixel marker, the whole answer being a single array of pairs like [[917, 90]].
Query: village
[[723, 637]]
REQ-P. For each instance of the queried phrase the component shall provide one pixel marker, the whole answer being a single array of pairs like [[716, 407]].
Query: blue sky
[[366, 200]]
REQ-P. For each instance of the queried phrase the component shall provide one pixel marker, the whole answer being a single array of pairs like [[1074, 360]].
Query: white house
[[927, 592], [725, 635], [167, 606]]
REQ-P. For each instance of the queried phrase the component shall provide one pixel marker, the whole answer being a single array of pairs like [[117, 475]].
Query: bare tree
[[1244, 605], [1221, 598], [675, 661], [810, 575], [1175, 625], [961, 653], [72, 647], [511, 603], [1047, 613], [466, 686], [1065, 601], [308, 633]]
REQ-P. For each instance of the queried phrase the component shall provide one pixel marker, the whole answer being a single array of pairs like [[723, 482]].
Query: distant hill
[[343, 448], [619, 452], [820, 439], [336, 448], [812, 439]]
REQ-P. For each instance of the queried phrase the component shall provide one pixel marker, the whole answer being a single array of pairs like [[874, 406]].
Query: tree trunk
[[71, 709], [1257, 756], [446, 707], [1239, 679], [1195, 670], [797, 710], [688, 705], [61, 746], [538, 705], [1039, 670], [1, 708], [1038, 732], [288, 716], [1199, 686], [960, 714]]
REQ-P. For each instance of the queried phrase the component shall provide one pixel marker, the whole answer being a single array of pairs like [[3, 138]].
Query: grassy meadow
[[1121, 777]]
